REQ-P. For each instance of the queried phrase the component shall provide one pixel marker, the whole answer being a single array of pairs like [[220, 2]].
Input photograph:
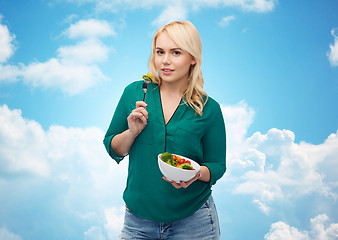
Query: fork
[[145, 87]]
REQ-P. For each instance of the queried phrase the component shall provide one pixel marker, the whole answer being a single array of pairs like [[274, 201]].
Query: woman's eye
[[159, 52], [177, 53]]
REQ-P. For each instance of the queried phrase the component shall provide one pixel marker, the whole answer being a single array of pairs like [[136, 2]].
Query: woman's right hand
[[137, 119]]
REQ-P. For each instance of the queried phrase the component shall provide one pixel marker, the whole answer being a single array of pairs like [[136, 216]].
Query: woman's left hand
[[184, 184]]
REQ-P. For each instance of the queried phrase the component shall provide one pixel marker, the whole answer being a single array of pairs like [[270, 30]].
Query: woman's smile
[[167, 71]]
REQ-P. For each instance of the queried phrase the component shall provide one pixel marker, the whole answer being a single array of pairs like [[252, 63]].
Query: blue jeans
[[202, 225]]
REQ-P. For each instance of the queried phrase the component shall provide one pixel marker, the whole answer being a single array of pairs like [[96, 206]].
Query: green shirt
[[202, 139]]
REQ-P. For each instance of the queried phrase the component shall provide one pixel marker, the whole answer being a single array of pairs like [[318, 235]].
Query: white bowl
[[177, 174]]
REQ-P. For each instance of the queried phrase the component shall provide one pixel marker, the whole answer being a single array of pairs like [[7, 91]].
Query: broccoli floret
[[148, 77], [186, 166], [167, 157]]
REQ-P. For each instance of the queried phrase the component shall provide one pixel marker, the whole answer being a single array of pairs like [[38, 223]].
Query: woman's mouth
[[167, 71]]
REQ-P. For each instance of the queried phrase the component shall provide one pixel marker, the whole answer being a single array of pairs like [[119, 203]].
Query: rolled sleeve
[[107, 144], [119, 122], [214, 148]]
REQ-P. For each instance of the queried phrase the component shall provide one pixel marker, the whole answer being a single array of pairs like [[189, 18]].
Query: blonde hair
[[186, 36]]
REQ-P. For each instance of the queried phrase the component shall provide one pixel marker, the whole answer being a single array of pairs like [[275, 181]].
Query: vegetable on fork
[[147, 79]]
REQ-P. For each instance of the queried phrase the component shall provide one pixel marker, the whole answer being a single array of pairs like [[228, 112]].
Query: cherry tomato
[[182, 161]]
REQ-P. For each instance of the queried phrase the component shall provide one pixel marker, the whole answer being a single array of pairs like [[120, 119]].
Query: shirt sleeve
[[214, 146], [118, 123]]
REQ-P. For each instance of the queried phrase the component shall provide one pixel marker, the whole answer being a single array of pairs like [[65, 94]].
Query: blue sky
[[272, 65]]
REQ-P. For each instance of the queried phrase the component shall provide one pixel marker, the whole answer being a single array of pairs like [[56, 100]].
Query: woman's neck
[[173, 88]]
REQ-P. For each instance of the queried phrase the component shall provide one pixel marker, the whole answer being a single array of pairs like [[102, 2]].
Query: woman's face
[[172, 63]]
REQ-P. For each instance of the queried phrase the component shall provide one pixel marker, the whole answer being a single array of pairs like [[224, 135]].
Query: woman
[[177, 117]]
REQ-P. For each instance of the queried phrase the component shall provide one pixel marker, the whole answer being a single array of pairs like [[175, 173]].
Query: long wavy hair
[[187, 37]]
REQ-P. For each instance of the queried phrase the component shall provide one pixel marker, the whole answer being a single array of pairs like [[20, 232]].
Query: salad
[[176, 161]]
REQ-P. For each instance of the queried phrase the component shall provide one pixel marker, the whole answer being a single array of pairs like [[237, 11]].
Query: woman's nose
[[166, 59]]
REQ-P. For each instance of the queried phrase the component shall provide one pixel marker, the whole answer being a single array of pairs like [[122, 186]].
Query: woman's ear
[[193, 62]]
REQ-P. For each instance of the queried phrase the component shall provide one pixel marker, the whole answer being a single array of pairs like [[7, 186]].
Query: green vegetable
[[186, 166], [148, 77], [168, 158]]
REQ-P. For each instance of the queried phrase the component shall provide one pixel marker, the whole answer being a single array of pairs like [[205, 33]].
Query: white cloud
[[226, 21], [237, 118], [91, 28], [333, 54], [55, 73], [85, 52], [9, 73], [16, 131], [259, 6], [7, 47], [114, 221], [7, 235], [62, 170], [75, 67], [273, 168], [94, 233], [320, 231], [179, 9], [173, 12], [289, 170], [282, 231], [255, 5]]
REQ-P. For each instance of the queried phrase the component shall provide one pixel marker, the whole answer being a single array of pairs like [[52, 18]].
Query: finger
[[165, 179], [171, 181], [141, 104], [197, 176], [187, 184], [176, 185], [136, 115], [142, 110]]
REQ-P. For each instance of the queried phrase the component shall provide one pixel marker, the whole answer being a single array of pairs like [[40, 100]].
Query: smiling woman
[[178, 117], [188, 61]]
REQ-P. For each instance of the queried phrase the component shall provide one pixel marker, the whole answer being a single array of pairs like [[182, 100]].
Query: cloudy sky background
[[272, 65]]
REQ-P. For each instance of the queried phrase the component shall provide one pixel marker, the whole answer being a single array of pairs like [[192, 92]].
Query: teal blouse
[[202, 139]]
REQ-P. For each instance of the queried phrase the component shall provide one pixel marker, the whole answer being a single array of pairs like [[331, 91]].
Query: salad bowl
[[173, 173]]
